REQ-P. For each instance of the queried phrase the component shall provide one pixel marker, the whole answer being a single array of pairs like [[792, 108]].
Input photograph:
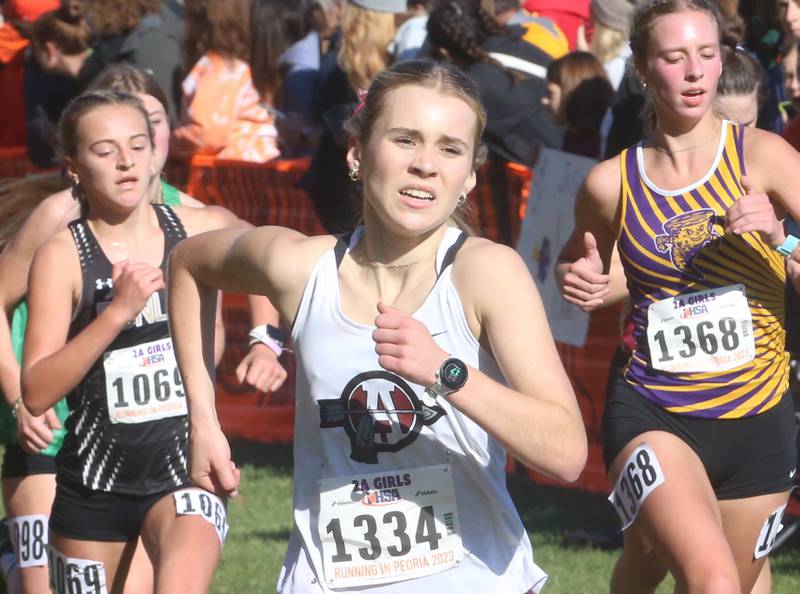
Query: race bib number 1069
[[143, 383]]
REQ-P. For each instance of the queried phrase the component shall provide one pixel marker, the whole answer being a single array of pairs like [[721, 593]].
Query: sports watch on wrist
[[451, 377], [788, 246]]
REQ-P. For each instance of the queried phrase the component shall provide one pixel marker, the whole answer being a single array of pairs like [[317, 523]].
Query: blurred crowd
[[257, 80]]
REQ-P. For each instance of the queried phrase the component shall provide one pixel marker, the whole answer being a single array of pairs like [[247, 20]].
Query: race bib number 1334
[[388, 527]]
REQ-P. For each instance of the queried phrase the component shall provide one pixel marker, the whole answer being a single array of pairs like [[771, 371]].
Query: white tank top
[[386, 479]]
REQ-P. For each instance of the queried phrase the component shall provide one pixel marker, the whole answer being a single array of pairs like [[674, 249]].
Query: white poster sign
[[549, 220]]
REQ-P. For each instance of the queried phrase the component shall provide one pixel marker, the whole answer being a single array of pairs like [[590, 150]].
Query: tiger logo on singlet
[[684, 236]]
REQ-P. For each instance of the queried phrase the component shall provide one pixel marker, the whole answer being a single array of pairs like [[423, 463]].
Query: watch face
[[453, 374]]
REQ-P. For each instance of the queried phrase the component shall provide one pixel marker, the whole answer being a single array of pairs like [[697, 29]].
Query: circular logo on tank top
[[380, 412]]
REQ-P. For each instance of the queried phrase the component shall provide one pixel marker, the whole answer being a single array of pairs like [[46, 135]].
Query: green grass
[[261, 519]]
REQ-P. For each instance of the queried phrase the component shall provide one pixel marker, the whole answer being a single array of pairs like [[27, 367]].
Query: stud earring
[[462, 198], [353, 173]]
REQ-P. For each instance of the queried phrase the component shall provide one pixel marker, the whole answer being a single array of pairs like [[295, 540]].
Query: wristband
[[269, 335], [15, 406], [788, 246]]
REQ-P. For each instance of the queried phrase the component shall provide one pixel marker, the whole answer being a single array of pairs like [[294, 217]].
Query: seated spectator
[[509, 72], [578, 96], [222, 113]]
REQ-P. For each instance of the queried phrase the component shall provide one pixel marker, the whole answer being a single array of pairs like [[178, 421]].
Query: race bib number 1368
[[705, 331]]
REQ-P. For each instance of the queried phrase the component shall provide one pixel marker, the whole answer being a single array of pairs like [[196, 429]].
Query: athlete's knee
[[638, 573], [713, 580]]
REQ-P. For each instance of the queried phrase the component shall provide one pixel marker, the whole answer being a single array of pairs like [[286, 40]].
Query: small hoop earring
[[462, 198], [353, 173]]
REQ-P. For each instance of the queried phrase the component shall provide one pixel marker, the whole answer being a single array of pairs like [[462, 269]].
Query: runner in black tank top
[[102, 450], [98, 334]]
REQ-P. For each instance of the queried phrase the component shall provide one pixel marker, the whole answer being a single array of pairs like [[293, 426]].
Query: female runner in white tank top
[[423, 356]]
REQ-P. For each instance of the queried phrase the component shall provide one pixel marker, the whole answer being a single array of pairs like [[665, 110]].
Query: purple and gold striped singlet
[[708, 307]]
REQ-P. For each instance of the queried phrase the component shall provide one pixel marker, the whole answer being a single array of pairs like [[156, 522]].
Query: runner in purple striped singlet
[[699, 438]]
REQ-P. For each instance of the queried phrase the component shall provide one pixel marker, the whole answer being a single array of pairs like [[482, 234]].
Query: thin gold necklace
[[367, 262], [683, 150]]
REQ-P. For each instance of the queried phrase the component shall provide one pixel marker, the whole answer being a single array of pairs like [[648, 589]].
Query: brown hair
[[585, 91], [112, 17], [19, 196], [274, 26], [88, 102], [364, 52], [70, 37], [446, 79], [742, 74], [220, 26], [127, 78]]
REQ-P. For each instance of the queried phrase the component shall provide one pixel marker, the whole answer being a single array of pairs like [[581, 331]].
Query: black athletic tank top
[[127, 429]]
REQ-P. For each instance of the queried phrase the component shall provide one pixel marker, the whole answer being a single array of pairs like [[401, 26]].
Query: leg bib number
[[769, 532], [640, 475], [199, 502], [76, 576], [29, 539]]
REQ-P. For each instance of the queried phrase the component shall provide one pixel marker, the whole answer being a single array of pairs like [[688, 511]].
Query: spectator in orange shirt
[[222, 114]]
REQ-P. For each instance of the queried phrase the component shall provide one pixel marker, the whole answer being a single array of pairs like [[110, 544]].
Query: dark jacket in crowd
[[517, 122]]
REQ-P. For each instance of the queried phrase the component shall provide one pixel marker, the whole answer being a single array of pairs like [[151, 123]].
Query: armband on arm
[[788, 246], [270, 335]]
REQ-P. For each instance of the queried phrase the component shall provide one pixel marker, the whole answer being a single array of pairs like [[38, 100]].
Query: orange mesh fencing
[[14, 162], [267, 193], [243, 412], [497, 196]]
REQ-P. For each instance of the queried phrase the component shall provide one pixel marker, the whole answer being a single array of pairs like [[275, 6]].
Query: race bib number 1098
[[388, 527]]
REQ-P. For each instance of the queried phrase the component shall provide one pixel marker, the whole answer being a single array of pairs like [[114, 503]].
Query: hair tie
[[362, 101]]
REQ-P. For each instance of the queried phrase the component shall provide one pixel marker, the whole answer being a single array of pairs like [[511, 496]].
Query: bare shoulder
[[602, 184], [210, 218], [757, 144], [483, 260], [764, 154], [50, 216], [289, 252], [58, 251]]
